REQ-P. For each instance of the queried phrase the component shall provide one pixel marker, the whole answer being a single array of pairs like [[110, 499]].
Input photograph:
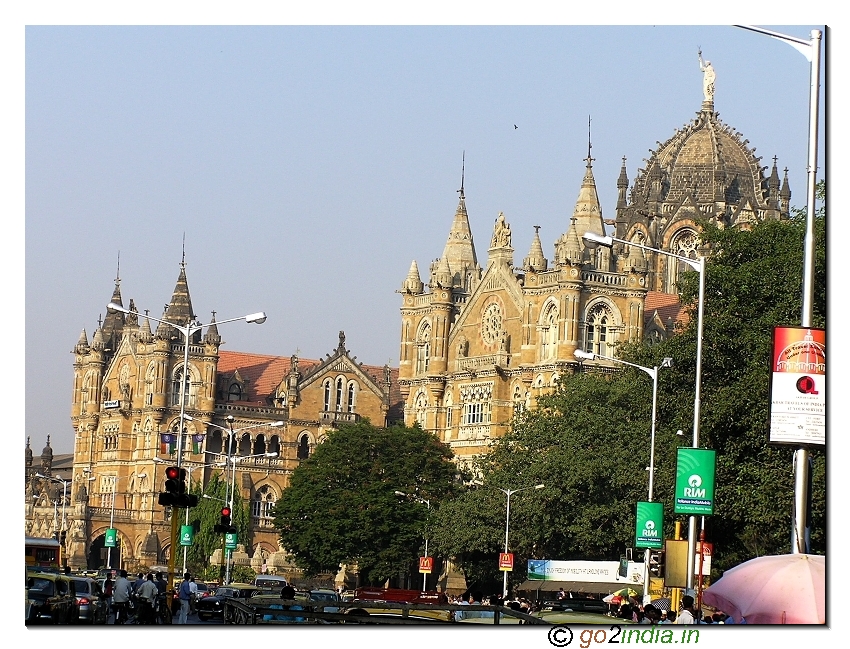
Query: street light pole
[[62, 531], [428, 503], [187, 331], [233, 460], [509, 493], [811, 50], [698, 265], [653, 373]]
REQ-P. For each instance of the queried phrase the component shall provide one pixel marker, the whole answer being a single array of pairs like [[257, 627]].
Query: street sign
[[110, 538], [695, 481], [675, 564], [230, 540], [506, 561], [187, 535], [706, 550], [426, 565], [649, 526]]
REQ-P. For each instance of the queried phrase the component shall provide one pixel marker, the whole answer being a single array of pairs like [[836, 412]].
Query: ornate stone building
[[126, 393], [479, 344]]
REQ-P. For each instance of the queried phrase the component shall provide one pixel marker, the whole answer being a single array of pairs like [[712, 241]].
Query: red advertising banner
[[798, 386], [506, 561], [426, 565]]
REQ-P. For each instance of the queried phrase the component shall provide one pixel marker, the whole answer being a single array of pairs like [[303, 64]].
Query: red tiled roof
[[667, 305], [264, 373]]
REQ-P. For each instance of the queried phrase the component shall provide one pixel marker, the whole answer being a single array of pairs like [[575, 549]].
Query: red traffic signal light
[[172, 472], [175, 489], [225, 511], [225, 526]]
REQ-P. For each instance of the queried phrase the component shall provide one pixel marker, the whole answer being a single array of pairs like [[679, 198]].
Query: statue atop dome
[[707, 79]]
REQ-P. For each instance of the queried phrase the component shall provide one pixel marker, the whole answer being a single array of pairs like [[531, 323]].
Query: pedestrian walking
[[147, 594], [184, 594], [121, 597]]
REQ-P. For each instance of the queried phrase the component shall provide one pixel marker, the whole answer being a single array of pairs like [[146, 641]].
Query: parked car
[[51, 599], [213, 605], [91, 602]]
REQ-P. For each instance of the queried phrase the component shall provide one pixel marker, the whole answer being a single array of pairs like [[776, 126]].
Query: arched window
[[598, 336], [518, 399], [339, 383], [352, 395], [176, 384], [423, 348], [234, 393], [420, 406], [262, 505], [549, 331], [303, 451], [327, 395], [685, 243], [449, 410]]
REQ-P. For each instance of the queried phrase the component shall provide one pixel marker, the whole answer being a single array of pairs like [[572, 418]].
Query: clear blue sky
[[308, 166]]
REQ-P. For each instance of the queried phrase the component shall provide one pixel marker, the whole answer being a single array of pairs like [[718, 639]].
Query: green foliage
[[589, 441], [207, 515], [341, 507]]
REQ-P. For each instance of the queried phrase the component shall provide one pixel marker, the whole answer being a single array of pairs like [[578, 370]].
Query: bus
[[42, 553]]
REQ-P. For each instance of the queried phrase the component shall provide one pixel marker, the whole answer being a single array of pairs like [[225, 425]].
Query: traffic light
[[225, 526], [175, 489]]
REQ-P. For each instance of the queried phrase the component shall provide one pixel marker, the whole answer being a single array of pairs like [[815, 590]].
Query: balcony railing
[[331, 417]]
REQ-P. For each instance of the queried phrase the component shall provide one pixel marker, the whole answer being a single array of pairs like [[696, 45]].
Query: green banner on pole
[[695, 481], [187, 535], [110, 538], [649, 526], [230, 541]]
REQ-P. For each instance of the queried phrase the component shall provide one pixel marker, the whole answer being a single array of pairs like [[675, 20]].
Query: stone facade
[[126, 394], [479, 344]]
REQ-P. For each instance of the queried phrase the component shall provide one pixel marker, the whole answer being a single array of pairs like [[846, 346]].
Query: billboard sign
[[187, 535], [506, 561], [592, 572], [695, 481], [426, 565], [649, 526], [110, 538], [798, 387], [230, 540]]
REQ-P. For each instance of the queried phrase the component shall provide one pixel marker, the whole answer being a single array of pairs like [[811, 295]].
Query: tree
[[207, 515], [589, 440], [341, 505]]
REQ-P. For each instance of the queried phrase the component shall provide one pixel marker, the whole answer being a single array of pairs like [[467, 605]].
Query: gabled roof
[[667, 305], [263, 373]]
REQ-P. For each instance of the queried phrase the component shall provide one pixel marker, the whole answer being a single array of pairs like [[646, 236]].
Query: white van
[[270, 582]]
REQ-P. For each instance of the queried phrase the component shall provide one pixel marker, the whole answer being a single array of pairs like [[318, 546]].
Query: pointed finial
[[118, 270], [462, 173], [589, 145], [183, 260], [536, 229]]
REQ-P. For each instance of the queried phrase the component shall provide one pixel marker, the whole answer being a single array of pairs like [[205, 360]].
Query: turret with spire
[[535, 260], [459, 252]]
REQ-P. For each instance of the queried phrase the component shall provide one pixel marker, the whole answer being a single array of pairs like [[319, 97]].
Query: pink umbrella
[[783, 589]]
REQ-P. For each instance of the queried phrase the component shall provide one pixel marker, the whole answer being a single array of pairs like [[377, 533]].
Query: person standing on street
[[193, 594], [121, 597], [184, 594], [147, 594], [688, 615]]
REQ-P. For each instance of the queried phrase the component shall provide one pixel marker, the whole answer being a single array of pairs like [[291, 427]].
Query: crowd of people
[[652, 614], [136, 601]]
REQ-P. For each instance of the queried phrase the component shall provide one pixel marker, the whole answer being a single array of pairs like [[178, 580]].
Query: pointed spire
[[587, 212], [413, 282], [113, 324], [133, 316], [97, 340], [443, 276], [179, 310], [535, 260], [145, 334], [570, 247], [459, 251], [623, 178], [212, 336], [785, 192], [82, 346]]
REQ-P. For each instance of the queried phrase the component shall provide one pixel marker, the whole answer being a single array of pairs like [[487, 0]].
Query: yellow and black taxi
[[50, 599]]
